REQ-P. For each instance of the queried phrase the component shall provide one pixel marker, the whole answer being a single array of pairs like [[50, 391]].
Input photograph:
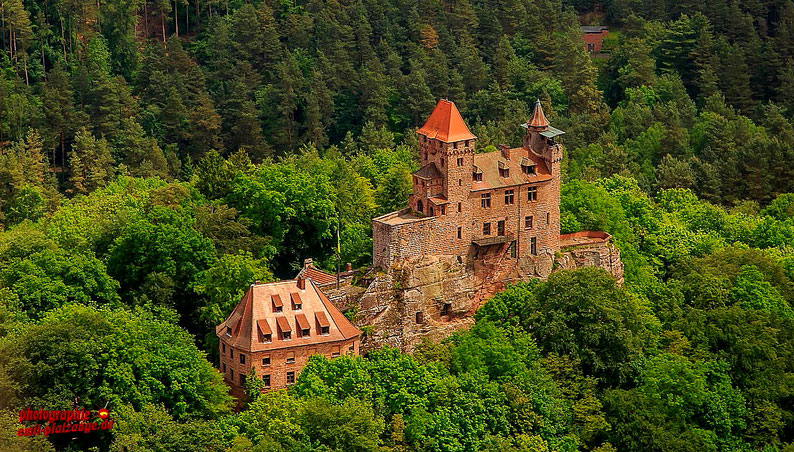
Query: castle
[[471, 205], [474, 223]]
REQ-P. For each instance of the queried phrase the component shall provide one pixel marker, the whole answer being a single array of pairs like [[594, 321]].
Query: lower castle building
[[275, 328]]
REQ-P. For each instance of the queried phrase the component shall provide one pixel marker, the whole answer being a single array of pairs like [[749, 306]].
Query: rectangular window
[[443, 210], [476, 177], [486, 229], [500, 227], [305, 333], [509, 197], [291, 377], [323, 330], [528, 222], [223, 366], [290, 357], [242, 358], [513, 251], [231, 374], [266, 360], [223, 347], [229, 331], [242, 379], [460, 182], [548, 218], [460, 206], [532, 193], [460, 232], [533, 246], [334, 351], [350, 348], [504, 172], [231, 353], [266, 380], [286, 335], [460, 159], [267, 338], [485, 200]]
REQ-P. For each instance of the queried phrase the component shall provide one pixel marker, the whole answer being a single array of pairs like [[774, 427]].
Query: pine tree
[[58, 103]]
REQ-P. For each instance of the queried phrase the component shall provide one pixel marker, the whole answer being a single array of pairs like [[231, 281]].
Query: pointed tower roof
[[538, 120], [446, 124]]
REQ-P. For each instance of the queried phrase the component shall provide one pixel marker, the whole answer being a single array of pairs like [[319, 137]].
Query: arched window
[[419, 207]]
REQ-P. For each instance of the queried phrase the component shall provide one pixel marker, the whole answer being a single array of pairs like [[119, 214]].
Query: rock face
[[428, 296], [433, 296]]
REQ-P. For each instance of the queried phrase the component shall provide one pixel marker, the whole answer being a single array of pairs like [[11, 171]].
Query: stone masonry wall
[[425, 284]]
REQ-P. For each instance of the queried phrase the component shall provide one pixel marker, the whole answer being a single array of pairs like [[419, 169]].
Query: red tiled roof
[[320, 277], [490, 162], [446, 124], [256, 314], [538, 118]]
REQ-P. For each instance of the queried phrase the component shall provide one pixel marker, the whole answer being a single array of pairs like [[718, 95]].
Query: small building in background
[[274, 330], [593, 37]]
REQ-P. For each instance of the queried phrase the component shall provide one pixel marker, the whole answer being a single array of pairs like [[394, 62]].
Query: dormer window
[[529, 169], [504, 170], [303, 325], [265, 333], [297, 303], [321, 320], [229, 331], [284, 328], [278, 305]]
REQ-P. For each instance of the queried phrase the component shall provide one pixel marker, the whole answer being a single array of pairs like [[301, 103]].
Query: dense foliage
[[157, 157]]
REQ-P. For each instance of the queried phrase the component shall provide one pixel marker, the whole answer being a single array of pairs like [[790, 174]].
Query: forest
[[157, 157]]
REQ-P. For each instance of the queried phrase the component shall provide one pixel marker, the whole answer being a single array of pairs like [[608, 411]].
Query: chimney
[[301, 283], [348, 267], [505, 151], [308, 262]]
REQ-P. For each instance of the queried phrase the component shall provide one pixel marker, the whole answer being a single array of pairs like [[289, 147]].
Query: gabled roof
[[538, 118], [255, 314], [490, 162], [428, 172], [446, 124]]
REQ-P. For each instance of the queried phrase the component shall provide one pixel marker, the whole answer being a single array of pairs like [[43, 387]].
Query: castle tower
[[540, 139], [446, 147]]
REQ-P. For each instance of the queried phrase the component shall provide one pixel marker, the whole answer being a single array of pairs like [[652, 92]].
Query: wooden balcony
[[490, 240]]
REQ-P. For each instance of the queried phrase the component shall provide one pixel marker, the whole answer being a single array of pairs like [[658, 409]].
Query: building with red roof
[[275, 328], [500, 203]]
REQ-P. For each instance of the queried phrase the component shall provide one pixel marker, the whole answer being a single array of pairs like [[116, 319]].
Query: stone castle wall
[[406, 304]]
